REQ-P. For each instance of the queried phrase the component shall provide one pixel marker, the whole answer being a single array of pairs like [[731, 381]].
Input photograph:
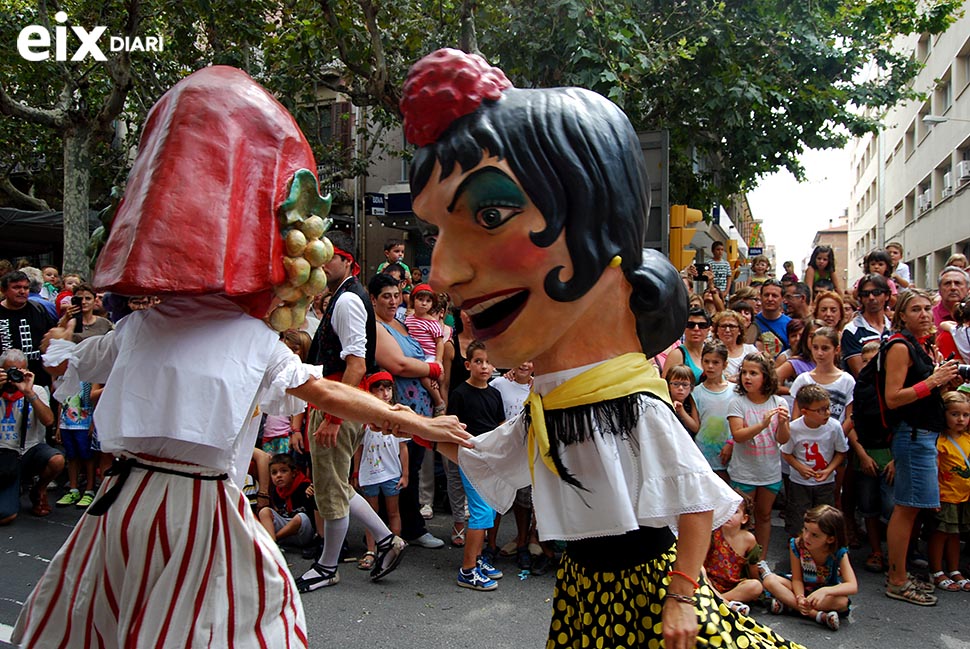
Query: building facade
[[911, 179]]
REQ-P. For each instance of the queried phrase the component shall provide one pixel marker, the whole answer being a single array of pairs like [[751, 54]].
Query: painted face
[[712, 364], [817, 413], [485, 260], [751, 378], [16, 293], [917, 317], [828, 311], [822, 261]]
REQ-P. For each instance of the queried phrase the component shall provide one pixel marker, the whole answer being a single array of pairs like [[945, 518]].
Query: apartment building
[[911, 179]]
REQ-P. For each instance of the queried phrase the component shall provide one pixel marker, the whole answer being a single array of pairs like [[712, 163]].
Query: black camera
[[15, 376], [964, 371]]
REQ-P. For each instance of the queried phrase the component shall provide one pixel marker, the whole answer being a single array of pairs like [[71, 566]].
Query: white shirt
[[380, 459], [186, 380], [756, 461], [349, 321], [840, 392], [815, 447], [648, 480], [10, 428], [513, 395]]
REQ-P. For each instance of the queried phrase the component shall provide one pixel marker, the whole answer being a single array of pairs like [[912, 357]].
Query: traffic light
[[680, 235]]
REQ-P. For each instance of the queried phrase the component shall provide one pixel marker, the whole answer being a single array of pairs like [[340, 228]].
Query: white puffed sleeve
[[498, 466], [90, 360], [284, 371]]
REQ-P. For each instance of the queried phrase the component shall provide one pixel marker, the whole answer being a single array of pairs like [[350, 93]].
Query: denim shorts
[[388, 488], [917, 483], [480, 515], [874, 496]]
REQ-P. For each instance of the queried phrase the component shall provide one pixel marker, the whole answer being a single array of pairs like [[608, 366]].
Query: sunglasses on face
[[876, 291], [697, 325]]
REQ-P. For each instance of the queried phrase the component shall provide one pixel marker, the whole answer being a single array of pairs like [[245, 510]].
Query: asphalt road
[[420, 606]]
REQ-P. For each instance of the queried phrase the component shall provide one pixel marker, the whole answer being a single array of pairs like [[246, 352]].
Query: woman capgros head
[[540, 199]]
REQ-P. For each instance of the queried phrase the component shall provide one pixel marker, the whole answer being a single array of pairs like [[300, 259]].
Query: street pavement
[[420, 606]]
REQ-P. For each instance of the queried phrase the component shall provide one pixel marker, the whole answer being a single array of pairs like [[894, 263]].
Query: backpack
[[872, 419]]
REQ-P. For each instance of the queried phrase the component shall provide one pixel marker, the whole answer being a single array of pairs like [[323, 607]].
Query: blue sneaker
[[487, 569], [475, 580]]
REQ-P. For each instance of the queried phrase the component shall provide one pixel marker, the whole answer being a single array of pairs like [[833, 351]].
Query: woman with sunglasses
[[729, 329], [689, 352]]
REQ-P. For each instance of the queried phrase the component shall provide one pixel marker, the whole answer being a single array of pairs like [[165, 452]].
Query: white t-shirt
[[902, 269], [712, 408], [380, 460], [815, 447], [840, 392], [10, 426], [513, 395], [734, 364], [756, 461]]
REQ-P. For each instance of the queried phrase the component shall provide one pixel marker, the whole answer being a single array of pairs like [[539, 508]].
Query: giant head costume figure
[[540, 200], [221, 200]]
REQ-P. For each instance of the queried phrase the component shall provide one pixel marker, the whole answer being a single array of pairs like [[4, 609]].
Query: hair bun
[[444, 86]]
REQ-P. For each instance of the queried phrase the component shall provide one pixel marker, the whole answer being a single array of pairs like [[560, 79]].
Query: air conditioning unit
[[963, 170], [921, 205], [947, 185]]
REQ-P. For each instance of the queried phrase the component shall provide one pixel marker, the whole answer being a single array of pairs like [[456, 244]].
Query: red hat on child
[[376, 377]]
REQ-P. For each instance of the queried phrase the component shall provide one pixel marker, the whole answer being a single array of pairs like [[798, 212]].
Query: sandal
[[739, 607], [321, 577], [829, 619], [876, 562], [458, 536], [366, 562], [945, 583], [962, 582], [390, 550], [775, 607], [909, 592]]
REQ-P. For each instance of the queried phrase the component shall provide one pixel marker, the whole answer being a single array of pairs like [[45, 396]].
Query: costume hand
[[679, 625], [326, 434], [296, 442]]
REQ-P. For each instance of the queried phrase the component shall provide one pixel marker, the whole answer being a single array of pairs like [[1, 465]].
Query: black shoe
[[543, 564], [489, 555], [523, 559]]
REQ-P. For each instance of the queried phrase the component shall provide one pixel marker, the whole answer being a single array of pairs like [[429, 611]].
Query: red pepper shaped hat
[[200, 210]]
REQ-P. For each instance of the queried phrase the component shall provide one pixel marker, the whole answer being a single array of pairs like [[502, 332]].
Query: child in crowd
[[680, 380], [878, 262], [424, 326], [789, 276], [52, 282], [378, 468], [797, 359], [953, 517], [899, 272], [820, 274], [713, 397], [721, 268], [760, 267], [394, 254], [75, 425], [732, 558], [822, 579], [289, 517], [816, 447], [277, 430], [759, 423], [71, 281], [873, 470], [479, 406]]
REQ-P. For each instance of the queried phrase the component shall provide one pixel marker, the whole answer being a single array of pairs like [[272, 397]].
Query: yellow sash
[[615, 378]]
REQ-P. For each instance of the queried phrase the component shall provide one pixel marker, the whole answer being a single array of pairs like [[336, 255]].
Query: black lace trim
[[567, 426]]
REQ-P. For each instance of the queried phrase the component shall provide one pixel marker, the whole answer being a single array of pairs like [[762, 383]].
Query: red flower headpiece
[[444, 86]]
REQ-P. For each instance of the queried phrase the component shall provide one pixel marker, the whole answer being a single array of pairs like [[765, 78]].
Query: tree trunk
[[77, 188]]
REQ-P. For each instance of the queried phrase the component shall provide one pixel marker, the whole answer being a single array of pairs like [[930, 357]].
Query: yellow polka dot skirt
[[613, 610]]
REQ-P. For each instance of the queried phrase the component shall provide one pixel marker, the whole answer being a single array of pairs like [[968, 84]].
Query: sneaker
[[68, 499], [85, 500], [475, 580], [427, 540], [317, 577], [487, 569], [427, 512], [523, 559]]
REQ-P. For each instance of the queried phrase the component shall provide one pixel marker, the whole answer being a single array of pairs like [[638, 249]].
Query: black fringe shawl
[[575, 425]]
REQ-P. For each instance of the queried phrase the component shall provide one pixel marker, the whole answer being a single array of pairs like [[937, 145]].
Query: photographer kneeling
[[23, 451]]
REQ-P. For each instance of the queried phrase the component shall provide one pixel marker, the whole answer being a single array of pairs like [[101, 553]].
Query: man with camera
[[23, 323], [23, 451]]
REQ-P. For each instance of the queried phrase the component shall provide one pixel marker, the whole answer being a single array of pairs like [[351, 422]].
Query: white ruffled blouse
[[649, 482], [186, 380]]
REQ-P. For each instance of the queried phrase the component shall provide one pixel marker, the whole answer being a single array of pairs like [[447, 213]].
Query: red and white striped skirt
[[174, 562]]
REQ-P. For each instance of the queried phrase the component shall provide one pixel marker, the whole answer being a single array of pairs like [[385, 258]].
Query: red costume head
[[200, 214]]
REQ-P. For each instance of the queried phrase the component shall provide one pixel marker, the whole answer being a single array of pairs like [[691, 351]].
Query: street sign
[[754, 252]]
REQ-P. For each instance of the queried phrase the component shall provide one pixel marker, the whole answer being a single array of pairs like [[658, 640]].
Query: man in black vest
[[344, 347]]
